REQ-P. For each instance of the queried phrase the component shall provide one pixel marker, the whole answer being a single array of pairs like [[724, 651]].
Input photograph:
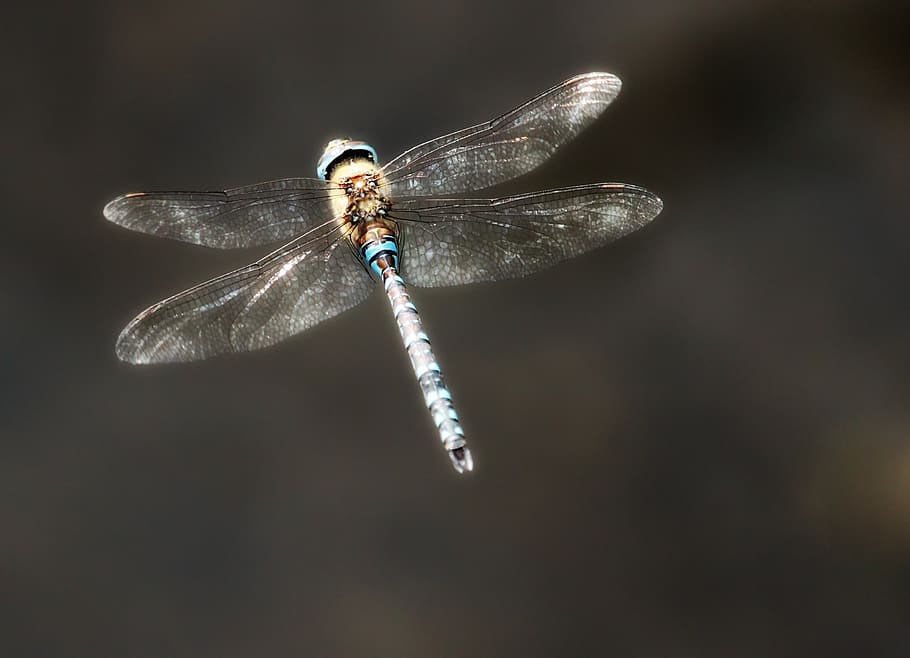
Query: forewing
[[243, 217], [290, 290], [507, 147], [449, 242]]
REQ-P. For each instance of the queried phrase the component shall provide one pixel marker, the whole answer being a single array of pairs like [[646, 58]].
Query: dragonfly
[[359, 224]]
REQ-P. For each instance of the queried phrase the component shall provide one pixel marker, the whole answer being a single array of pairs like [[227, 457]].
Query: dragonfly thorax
[[363, 198]]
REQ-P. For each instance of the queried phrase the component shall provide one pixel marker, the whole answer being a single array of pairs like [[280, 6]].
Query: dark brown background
[[692, 443]]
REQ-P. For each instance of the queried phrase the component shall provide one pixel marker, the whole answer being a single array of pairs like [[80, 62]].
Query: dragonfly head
[[343, 149]]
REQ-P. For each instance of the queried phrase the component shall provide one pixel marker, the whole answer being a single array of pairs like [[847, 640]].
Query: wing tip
[[658, 204], [126, 356], [653, 198], [125, 350], [611, 79], [655, 203], [130, 342], [117, 209]]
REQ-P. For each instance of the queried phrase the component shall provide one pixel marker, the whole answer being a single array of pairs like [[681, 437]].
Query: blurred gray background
[[691, 443]]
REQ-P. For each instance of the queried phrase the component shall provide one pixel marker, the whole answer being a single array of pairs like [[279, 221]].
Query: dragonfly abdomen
[[417, 344]]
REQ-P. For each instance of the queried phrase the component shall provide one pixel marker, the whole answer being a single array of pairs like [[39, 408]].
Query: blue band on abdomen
[[373, 249]]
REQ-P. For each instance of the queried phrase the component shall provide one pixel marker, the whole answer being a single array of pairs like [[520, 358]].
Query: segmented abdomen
[[429, 376]]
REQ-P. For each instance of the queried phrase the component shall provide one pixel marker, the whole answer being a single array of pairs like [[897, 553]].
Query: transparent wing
[[290, 290], [449, 242], [507, 147], [243, 217]]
